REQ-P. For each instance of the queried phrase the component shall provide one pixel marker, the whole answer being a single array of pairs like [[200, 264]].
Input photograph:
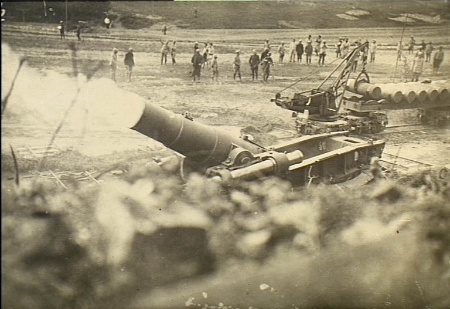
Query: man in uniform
[[197, 61], [129, 63], [237, 66], [254, 63], [292, 51]]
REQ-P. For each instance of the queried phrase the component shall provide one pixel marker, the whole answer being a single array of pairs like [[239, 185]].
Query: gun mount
[[330, 158], [357, 105]]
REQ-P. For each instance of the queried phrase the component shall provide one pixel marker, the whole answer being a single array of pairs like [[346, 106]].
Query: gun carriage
[[327, 158]]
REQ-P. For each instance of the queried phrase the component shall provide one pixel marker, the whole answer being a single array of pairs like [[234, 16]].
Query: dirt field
[[227, 103]]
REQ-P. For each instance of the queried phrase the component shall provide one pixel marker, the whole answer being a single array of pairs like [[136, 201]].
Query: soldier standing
[[197, 61], [107, 22], [308, 52], [79, 31], [292, 50], [266, 63], [62, 30], [129, 63], [437, 59], [264, 53], [237, 66], [428, 50], [338, 48], [211, 52], [418, 65], [345, 48], [373, 50], [299, 49], [215, 69], [281, 52], [322, 52], [318, 44], [254, 63], [165, 49], [173, 52], [412, 42], [113, 64]]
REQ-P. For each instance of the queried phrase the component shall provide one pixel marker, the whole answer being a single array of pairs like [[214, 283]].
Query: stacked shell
[[434, 92]]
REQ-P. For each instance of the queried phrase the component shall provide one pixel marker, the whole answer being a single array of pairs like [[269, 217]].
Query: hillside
[[280, 14]]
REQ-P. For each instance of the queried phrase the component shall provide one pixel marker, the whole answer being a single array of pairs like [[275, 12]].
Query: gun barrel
[[270, 166], [201, 144]]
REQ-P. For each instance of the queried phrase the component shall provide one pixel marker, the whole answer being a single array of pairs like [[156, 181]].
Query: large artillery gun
[[359, 106], [323, 158]]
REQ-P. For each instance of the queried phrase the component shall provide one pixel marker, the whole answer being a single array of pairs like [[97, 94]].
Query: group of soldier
[[206, 57], [320, 49], [422, 55], [209, 59], [62, 30]]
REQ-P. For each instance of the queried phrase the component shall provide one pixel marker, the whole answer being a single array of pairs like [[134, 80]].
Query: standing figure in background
[[365, 53], [129, 63], [264, 53], [62, 30], [308, 52], [254, 63], [79, 31], [363, 57], [165, 49], [211, 52], [197, 61], [437, 59], [107, 22], [399, 50], [354, 64], [412, 42], [281, 52], [173, 52], [215, 69], [237, 66], [164, 29], [205, 53], [299, 49], [113, 64], [428, 50], [372, 50], [318, 44], [322, 53], [345, 47], [338, 48], [423, 45], [292, 51], [267, 45], [417, 67], [266, 63]]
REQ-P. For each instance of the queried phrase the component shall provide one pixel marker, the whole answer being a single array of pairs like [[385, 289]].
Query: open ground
[[38, 115], [225, 103]]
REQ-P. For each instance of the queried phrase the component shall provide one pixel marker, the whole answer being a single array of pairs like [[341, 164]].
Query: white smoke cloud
[[46, 97], [87, 113]]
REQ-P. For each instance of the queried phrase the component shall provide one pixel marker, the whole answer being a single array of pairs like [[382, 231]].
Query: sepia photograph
[[260, 154]]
